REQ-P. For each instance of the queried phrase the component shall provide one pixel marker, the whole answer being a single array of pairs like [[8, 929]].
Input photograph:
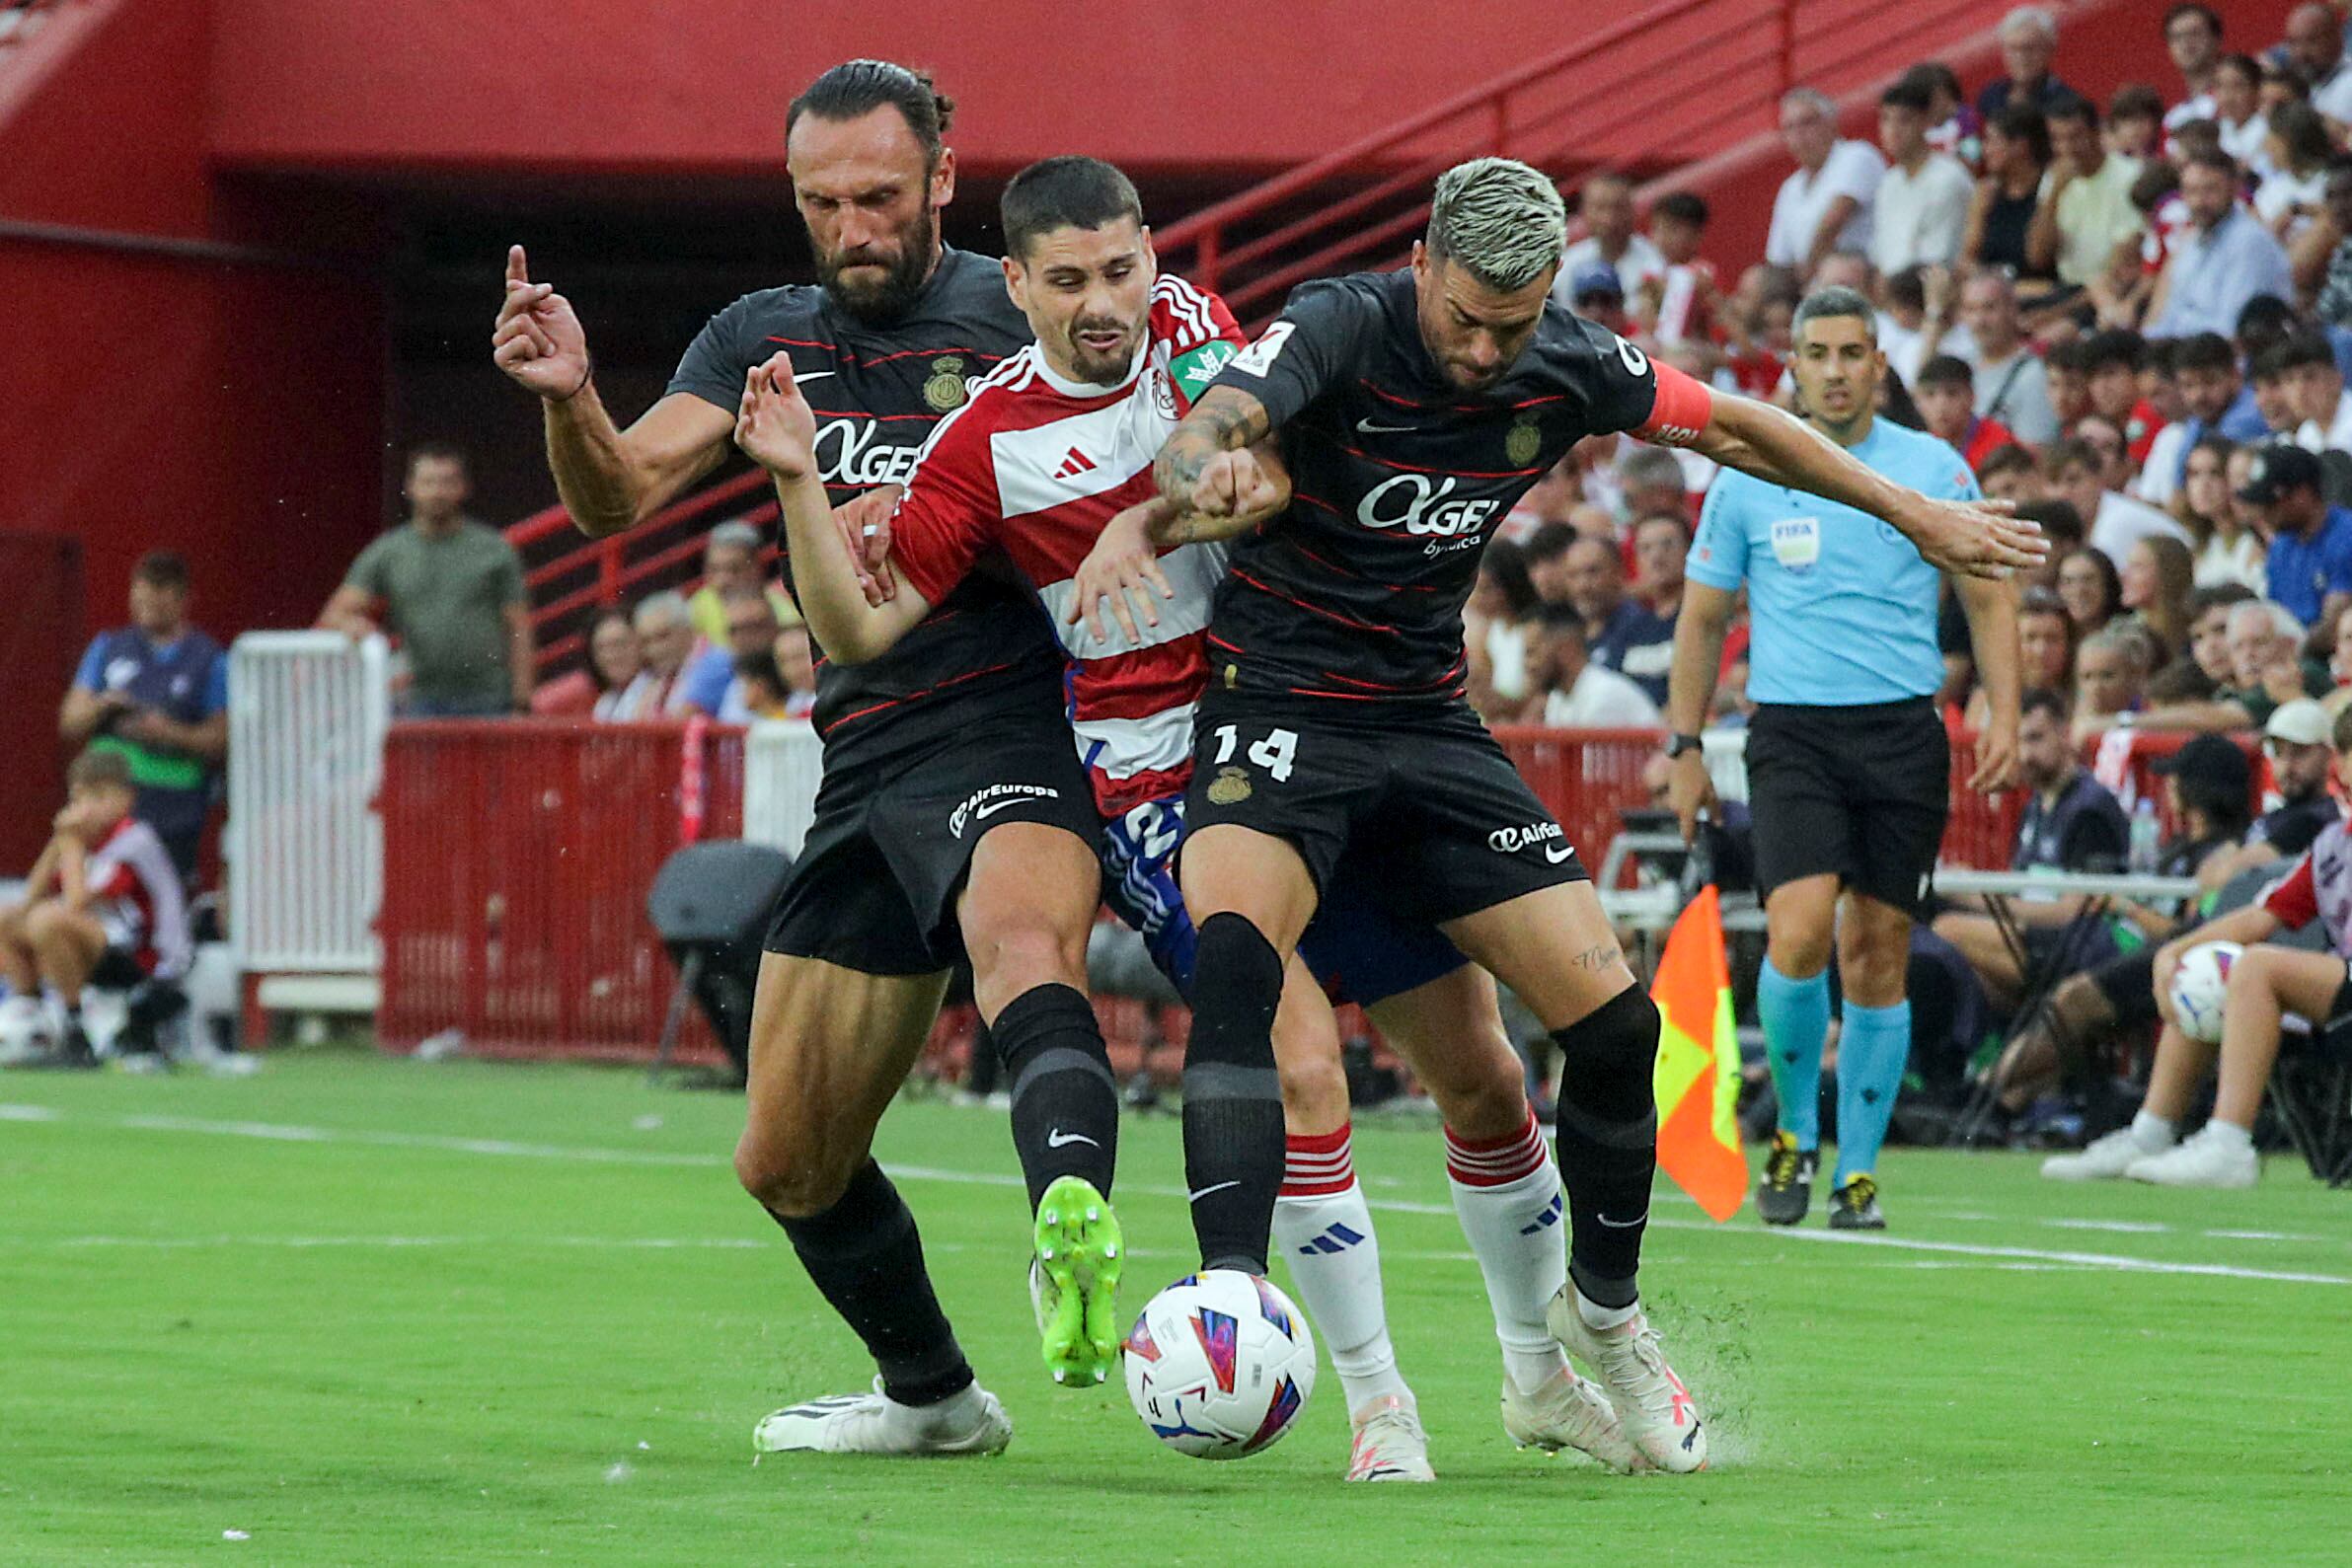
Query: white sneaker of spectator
[[2219, 1155], [24, 1030], [2107, 1159]]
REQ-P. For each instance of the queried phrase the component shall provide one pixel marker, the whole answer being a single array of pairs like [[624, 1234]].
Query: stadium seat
[[2310, 1091], [710, 903]]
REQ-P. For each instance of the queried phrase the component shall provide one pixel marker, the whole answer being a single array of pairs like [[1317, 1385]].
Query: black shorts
[[1439, 821], [1856, 792], [119, 969], [876, 884]]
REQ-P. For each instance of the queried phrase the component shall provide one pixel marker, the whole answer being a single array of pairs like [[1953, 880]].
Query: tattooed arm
[[1211, 484]]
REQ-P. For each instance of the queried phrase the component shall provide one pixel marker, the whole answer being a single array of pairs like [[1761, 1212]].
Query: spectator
[[2102, 437], [2283, 82], [2275, 381], [2084, 209], [755, 690], [103, 906], [2112, 668], [2309, 562], [795, 661], [1494, 629], [2028, 40], [2078, 471], [2156, 577], [2045, 653], [2292, 193], [2298, 741], [452, 589], [751, 629], [1922, 208], [2264, 637], [1596, 295], [731, 562], [2316, 392], [1661, 545], [2062, 526], [665, 634], [2065, 373], [2012, 386], [2237, 115], [2213, 402], [2316, 47], [1605, 205], [2210, 609], [2115, 360], [2010, 474], [1619, 633], [1547, 555], [2226, 549], [2321, 260], [1999, 216], [1575, 691], [2090, 589], [2225, 258], [615, 661], [2265, 982], [2136, 124], [2193, 37], [157, 691], [1825, 205], [1652, 482], [1954, 128], [1682, 302]]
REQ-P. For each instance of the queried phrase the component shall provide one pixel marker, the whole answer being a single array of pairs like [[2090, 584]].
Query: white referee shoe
[[2216, 1156], [1658, 1414], [1569, 1412], [969, 1421]]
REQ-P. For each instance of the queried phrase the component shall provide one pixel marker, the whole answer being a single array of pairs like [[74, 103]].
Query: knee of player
[[1314, 1092], [2255, 973], [788, 1176]]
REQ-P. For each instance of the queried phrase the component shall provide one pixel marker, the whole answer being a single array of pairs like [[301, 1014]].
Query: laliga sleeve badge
[[1524, 441], [946, 390], [1230, 788]]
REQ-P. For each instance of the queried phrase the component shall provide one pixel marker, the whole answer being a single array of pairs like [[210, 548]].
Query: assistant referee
[[1849, 769]]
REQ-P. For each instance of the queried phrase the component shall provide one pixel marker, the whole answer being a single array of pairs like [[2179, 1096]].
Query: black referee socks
[[865, 1258], [1233, 1095], [1065, 1101], [1607, 1140]]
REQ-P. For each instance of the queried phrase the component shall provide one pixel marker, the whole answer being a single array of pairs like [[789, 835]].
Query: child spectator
[[1682, 302], [2135, 123], [1954, 125], [104, 905], [2113, 360], [2158, 577], [2090, 589], [2010, 474], [1945, 393]]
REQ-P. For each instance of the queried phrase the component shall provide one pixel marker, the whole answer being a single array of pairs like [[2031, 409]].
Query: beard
[[878, 302]]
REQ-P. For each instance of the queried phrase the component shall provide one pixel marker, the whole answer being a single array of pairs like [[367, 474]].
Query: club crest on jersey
[[1230, 788], [946, 390], [1524, 441]]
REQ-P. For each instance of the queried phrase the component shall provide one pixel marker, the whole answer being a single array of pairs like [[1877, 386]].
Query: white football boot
[[969, 1421], [2212, 1158], [2103, 1160], [1657, 1413], [1569, 1412], [1389, 1444]]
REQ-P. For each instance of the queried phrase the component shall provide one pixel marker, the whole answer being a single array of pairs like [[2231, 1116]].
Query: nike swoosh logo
[[1566, 849], [1057, 1138], [1621, 1225], [995, 807], [1205, 1191], [811, 375], [1369, 428]]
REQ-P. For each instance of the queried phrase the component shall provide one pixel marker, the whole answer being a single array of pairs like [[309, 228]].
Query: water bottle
[[2146, 839]]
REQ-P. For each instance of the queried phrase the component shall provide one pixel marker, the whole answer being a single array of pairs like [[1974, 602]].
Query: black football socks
[[1065, 1100], [1233, 1095], [866, 1260], [1608, 1142]]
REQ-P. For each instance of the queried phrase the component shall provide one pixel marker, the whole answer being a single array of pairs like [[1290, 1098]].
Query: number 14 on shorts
[[1275, 753]]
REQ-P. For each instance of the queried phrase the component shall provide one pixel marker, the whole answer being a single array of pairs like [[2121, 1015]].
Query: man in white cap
[[2300, 748]]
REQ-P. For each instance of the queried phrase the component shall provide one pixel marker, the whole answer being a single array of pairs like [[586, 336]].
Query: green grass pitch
[[368, 1311]]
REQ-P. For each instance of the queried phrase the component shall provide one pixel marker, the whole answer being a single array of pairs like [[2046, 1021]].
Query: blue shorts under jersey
[[1842, 605], [1361, 954]]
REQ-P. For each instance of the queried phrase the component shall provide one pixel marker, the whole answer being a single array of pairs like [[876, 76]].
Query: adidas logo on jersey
[[1073, 464], [1336, 1238]]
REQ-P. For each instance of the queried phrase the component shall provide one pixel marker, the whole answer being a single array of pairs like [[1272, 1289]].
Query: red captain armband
[[1683, 408]]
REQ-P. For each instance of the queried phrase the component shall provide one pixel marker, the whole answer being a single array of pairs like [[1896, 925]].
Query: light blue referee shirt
[[1842, 607]]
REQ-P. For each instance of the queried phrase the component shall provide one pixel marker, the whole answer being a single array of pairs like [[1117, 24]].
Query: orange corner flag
[[1697, 1079]]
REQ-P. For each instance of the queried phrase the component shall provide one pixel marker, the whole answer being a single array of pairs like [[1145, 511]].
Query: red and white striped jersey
[[137, 897], [1037, 464]]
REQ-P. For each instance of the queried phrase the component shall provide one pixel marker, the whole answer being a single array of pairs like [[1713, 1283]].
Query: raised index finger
[[518, 266]]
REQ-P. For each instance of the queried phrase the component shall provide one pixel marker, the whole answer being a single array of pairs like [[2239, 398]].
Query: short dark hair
[[439, 451], [2245, 65], [99, 766], [2026, 124], [2203, 352], [1835, 303], [1944, 370], [760, 664], [2217, 596], [855, 89], [2073, 106], [1066, 192], [1908, 287], [1908, 92], [1548, 542], [2307, 348], [2274, 360], [2118, 345], [2303, 131], [161, 568], [2059, 521], [2006, 457], [1935, 77], [2073, 354], [2042, 700], [2069, 450], [2190, 8], [1555, 616], [2136, 100], [2207, 158], [2266, 319], [1682, 207]]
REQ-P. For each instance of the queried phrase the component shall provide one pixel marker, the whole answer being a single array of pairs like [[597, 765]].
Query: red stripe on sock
[[1318, 1164], [1495, 1162]]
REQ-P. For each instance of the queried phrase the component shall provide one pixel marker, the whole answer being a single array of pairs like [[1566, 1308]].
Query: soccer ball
[[2199, 987], [1220, 1365]]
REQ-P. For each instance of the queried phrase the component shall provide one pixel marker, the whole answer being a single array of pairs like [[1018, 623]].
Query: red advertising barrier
[[517, 854]]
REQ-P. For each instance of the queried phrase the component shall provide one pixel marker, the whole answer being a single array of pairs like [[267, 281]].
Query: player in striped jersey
[[1053, 444]]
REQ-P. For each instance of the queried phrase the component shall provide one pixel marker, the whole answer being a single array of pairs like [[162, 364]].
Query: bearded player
[[1415, 408], [1052, 446], [951, 814]]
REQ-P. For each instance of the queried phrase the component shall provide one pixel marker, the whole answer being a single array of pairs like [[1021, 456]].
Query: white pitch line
[[504, 1148]]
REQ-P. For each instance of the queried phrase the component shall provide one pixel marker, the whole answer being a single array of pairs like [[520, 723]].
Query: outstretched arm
[[776, 428]]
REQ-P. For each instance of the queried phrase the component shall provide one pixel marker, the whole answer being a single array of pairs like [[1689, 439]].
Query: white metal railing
[[782, 760], [308, 712]]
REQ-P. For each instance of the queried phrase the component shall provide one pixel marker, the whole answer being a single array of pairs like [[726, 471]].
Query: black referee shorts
[[1859, 793]]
